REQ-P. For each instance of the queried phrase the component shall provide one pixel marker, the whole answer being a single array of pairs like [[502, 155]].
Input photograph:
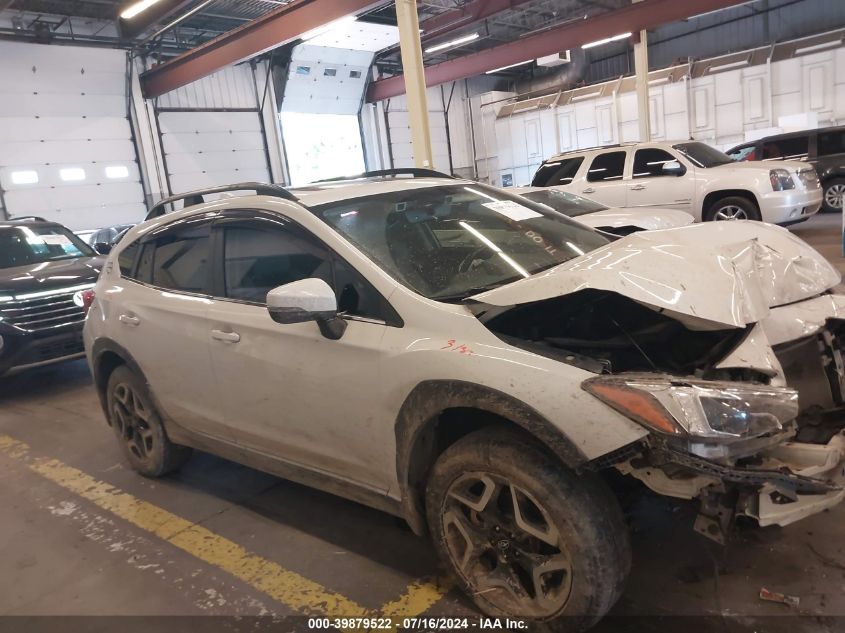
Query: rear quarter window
[[126, 259]]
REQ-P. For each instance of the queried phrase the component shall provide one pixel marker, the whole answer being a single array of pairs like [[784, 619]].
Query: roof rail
[[415, 172], [27, 218], [196, 197]]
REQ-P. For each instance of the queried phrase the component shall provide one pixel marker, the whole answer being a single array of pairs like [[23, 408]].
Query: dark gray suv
[[823, 148]]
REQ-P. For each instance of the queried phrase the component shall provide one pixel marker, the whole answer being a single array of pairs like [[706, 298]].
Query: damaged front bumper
[[821, 466], [780, 485]]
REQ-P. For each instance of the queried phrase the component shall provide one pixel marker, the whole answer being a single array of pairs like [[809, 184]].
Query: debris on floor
[[773, 596]]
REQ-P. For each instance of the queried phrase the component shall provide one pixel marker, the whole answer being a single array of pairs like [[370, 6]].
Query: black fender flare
[[106, 345], [421, 409]]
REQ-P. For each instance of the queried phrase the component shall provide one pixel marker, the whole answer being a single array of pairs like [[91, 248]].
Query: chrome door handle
[[589, 190], [638, 188], [226, 337], [127, 319]]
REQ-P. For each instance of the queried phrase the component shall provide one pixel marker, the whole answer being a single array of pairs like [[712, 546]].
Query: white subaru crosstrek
[[477, 364], [688, 176]]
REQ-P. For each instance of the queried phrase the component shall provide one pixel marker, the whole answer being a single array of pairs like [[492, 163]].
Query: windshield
[[24, 245], [565, 202], [450, 242], [702, 154]]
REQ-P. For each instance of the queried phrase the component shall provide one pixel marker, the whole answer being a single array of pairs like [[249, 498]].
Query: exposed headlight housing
[[781, 180], [710, 415]]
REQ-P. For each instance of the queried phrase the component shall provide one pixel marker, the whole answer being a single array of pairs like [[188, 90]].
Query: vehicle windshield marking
[[448, 242]]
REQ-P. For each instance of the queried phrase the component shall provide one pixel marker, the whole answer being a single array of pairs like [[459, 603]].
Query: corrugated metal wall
[[723, 109], [735, 29], [214, 131]]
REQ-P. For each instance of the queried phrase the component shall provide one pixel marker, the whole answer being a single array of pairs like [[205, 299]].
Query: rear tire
[[834, 194], [732, 208], [138, 426], [524, 536]]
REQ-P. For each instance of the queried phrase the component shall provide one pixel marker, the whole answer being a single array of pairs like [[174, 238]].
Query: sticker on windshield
[[55, 240], [512, 210]]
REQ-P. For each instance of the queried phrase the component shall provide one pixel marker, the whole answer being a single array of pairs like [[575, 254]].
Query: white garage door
[[207, 148], [66, 147]]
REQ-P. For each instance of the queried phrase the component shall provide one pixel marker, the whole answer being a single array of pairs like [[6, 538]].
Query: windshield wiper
[[460, 296]]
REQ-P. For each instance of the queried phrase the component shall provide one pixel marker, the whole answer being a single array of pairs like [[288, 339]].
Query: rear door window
[[607, 166], [559, 172], [830, 143], [793, 148], [181, 259]]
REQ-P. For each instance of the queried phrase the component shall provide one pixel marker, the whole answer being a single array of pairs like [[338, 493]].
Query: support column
[[641, 71], [414, 75]]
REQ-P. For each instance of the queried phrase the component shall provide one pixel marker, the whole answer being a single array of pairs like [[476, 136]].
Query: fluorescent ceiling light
[[133, 10], [615, 38], [817, 47], [70, 174], [451, 43], [658, 81], [26, 177], [117, 171], [495, 70], [324, 28], [728, 66]]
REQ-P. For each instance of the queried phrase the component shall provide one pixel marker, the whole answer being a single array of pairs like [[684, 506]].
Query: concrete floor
[[74, 546]]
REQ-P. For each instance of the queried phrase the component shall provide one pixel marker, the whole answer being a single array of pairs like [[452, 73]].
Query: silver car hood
[[707, 276]]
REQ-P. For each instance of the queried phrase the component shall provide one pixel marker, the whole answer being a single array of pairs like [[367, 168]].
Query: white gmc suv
[[479, 364], [690, 176]]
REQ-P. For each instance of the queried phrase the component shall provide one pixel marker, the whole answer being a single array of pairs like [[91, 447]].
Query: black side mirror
[[102, 248]]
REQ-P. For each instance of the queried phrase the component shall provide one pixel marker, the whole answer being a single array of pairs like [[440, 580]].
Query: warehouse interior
[[118, 114]]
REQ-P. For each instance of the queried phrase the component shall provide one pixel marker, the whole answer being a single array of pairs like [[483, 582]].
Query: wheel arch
[[713, 196], [106, 356], [439, 412]]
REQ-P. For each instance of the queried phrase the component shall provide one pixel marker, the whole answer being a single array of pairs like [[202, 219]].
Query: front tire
[[138, 426], [524, 536], [732, 208], [834, 195]]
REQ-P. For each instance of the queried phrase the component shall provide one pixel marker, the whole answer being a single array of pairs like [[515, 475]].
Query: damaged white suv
[[474, 363]]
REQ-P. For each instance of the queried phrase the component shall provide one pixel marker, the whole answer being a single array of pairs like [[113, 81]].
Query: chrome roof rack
[[191, 198], [414, 172]]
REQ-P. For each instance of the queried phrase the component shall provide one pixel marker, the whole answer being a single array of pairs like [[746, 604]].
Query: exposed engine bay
[[618, 333], [649, 364]]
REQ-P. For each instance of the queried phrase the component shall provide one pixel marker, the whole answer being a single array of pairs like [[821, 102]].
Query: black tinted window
[[258, 260], [126, 259], [649, 162], [180, 261], [786, 148], [607, 166], [831, 143], [559, 172], [144, 272]]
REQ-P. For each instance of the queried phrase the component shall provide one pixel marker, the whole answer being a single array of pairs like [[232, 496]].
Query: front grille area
[[33, 314], [809, 178], [44, 352]]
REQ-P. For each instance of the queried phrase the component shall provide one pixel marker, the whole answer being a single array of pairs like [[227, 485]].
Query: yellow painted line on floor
[[419, 597], [289, 588]]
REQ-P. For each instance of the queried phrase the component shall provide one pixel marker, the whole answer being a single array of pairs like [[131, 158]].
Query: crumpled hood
[[708, 276]]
